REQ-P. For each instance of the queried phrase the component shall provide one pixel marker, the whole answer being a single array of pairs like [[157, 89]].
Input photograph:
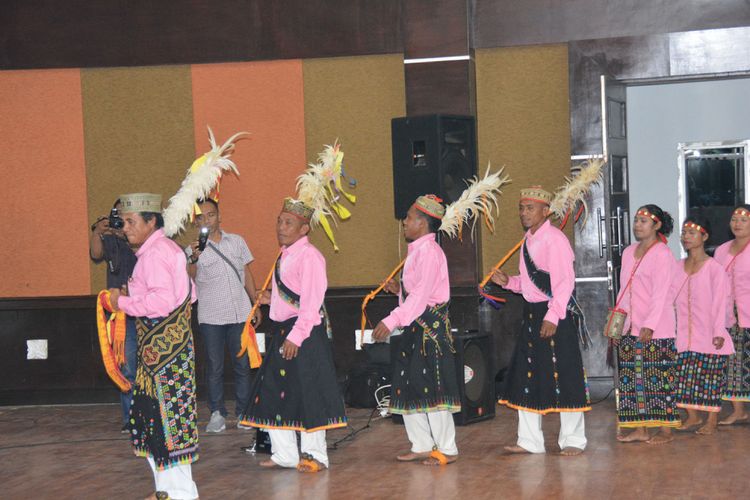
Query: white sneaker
[[217, 423]]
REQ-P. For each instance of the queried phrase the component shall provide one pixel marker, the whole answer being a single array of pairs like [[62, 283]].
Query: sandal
[[309, 464], [438, 458]]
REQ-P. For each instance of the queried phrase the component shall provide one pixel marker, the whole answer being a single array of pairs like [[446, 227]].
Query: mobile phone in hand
[[203, 239]]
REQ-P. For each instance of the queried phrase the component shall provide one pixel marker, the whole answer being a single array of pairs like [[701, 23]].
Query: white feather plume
[[202, 176], [576, 188], [479, 197]]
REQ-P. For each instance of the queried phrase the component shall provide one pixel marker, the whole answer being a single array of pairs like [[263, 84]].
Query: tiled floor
[[78, 452]]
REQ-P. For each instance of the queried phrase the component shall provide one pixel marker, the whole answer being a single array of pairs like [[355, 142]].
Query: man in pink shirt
[[295, 388], [163, 420], [546, 373], [424, 387]]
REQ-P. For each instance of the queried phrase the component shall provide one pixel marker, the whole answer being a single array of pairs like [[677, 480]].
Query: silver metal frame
[[682, 150]]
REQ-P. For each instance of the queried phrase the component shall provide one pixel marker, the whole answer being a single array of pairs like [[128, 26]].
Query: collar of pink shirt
[[294, 247], [156, 235], [543, 229], [419, 242]]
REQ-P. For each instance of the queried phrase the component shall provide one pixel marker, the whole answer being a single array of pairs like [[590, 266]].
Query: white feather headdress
[[479, 197], [573, 193], [202, 177]]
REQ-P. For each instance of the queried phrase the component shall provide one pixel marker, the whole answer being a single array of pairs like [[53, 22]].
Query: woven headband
[[693, 225], [648, 214]]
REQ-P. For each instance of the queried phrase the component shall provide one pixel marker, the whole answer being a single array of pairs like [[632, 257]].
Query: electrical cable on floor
[[353, 433], [604, 398], [381, 407]]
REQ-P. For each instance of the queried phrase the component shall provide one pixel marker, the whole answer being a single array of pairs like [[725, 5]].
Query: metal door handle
[[599, 220], [619, 230]]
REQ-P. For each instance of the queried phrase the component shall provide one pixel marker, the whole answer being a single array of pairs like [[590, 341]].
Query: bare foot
[[637, 436], [570, 451], [411, 456], [688, 425], [706, 430], [735, 418], [515, 449], [661, 438], [269, 464]]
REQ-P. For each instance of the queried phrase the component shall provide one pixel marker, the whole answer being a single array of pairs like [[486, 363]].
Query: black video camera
[[115, 221]]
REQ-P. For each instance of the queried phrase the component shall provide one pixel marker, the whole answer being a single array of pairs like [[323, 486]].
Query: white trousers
[[284, 446], [177, 481], [572, 431], [427, 431]]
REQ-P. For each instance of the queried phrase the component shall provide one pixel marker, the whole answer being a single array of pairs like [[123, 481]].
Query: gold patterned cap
[[536, 193], [298, 208], [140, 202], [431, 205]]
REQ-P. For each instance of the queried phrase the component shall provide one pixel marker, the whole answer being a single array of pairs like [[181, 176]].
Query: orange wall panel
[[44, 223], [266, 100]]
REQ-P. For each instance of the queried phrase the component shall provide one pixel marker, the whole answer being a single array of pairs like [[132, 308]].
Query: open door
[[602, 240]]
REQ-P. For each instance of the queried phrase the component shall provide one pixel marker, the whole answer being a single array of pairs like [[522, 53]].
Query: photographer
[[219, 262], [108, 243]]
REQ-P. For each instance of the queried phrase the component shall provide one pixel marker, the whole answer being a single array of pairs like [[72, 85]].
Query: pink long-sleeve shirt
[[425, 280], [302, 270], [701, 302], [550, 250], [739, 282], [646, 300], [160, 281]]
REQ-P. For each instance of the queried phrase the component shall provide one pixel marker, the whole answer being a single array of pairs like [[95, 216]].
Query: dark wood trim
[[106, 33]]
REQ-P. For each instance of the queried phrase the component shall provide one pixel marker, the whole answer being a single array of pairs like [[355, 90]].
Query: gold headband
[[741, 212], [648, 214], [693, 225]]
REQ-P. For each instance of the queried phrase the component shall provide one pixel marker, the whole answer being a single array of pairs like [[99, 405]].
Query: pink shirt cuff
[[390, 322], [551, 317]]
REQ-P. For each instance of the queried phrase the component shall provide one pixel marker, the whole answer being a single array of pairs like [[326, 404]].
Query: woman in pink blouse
[[735, 258], [646, 353], [700, 290]]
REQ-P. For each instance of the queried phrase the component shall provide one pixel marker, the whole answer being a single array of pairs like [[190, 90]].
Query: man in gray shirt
[[225, 288]]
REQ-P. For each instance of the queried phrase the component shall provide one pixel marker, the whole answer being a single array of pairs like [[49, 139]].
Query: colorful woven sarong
[[700, 380], [646, 386], [163, 419]]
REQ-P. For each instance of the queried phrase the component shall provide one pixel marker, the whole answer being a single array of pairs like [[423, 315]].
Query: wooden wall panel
[[439, 88], [503, 23], [266, 100], [44, 222], [523, 124], [353, 100], [435, 28], [138, 127], [81, 33]]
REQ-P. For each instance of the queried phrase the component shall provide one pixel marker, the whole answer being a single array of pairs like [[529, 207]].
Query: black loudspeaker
[[476, 376], [431, 154]]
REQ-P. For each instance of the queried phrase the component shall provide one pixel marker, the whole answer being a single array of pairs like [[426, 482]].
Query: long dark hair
[[667, 223]]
